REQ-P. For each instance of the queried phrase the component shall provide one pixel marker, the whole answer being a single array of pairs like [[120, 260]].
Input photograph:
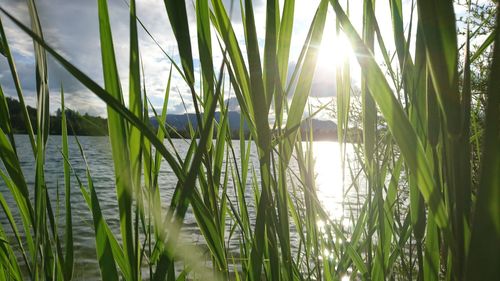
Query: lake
[[97, 149]]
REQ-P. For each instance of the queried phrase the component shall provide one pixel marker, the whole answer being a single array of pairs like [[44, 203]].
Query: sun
[[334, 50]]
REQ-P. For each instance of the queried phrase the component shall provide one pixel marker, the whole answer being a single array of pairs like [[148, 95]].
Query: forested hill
[[83, 125]]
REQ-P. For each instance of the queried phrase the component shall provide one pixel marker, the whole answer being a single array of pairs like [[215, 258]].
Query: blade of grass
[[401, 129], [135, 137], [17, 84], [106, 97], [69, 255], [119, 137], [12, 222], [485, 240], [43, 121]]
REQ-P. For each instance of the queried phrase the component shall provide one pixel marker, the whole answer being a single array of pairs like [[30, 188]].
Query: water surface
[[328, 179]]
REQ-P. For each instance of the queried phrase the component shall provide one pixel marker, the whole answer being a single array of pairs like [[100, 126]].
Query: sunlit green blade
[[283, 53], [104, 246], [486, 43], [17, 84], [43, 115], [57, 253], [431, 255], [284, 39], [180, 26], [438, 23], [13, 225], [369, 115], [18, 188], [68, 258], [275, 52], [179, 22], [259, 99], [305, 79], [209, 229], [5, 124], [225, 28], [119, 136], [220, 145], [184, 189], [205, 46], [278, 86], [401, 129], [135, 137]]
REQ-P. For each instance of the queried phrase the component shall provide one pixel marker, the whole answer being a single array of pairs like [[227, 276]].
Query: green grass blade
[[105, 255], [305, 80], [108, 250], [69, 256], [106, 97], [282, 57], [284, 39], [438, 23], [225, 29], [184, 189], [485, 240], [431, 255], [18, 187], [8, 258], [486, 43], [135, 138], [41, 269], [179, 22], [257, 91], [12, 222], [119, 135], [5, 123], [401, 129], [17, 84], [369, 115], [271, 71], [205, 46]]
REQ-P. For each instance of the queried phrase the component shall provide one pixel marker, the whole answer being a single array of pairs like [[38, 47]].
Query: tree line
[[78, 124]]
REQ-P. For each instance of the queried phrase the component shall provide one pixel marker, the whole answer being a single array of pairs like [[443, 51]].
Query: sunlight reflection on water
[[332, 187], [329, 182], [333, 184]]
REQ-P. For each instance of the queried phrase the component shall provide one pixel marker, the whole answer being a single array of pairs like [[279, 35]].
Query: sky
[[71, 26]]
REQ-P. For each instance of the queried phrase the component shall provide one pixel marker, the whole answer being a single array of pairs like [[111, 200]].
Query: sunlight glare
[[345, 278], [334, 51]]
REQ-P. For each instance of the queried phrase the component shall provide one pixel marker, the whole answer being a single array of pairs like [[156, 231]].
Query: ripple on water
[[97, 150]]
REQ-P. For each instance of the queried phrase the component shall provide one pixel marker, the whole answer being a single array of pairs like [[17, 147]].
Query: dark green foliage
[[82, 125]]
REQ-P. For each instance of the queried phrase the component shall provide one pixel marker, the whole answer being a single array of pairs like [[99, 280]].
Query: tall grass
[[416, 145]]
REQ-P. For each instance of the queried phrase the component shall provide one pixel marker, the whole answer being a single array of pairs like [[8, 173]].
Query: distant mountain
[[180, 121], [322, 129], [178, 124], [319, 125]]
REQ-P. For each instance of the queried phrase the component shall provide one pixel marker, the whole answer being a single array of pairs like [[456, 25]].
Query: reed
[[420, 214]]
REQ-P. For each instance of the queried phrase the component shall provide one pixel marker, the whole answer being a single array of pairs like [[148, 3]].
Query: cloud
[[71, 27], [232, 104]]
